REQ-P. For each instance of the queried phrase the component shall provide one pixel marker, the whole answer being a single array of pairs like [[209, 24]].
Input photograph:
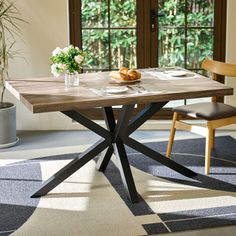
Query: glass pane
[[200, 13], [199, 46], [174, 12], [123, 48], [171, 47], [123, 13], [95, 43], [94, 13]]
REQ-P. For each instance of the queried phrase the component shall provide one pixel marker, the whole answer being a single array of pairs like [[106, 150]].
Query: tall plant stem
[[9, 29], [2, 94]]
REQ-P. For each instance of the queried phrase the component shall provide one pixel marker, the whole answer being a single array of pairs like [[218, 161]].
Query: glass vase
[[72, 79]]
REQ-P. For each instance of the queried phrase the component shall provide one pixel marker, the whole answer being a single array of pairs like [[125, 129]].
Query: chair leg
[[213, 138], [209, 145], [172, 135]]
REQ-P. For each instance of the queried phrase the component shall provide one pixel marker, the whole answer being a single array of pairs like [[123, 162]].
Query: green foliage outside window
[[186, 32], [109, 32], [109, 36]]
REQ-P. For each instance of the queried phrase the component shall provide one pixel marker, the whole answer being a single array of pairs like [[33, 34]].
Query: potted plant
[[68, 62], [9, 29]]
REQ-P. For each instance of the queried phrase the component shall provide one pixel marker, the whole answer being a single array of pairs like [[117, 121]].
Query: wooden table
[[50, 94]]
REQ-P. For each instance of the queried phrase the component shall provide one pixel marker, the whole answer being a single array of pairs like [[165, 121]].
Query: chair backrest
[[219, 68]]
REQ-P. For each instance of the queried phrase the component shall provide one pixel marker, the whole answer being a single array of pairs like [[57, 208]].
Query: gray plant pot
[[7, 125]]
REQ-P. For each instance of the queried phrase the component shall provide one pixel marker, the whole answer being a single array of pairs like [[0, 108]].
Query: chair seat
[[207, 110]]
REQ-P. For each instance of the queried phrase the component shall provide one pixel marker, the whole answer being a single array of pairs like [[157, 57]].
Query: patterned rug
[[93, 203]]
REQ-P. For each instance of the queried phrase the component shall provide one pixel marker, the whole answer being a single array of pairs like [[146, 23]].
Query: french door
[[148, 33]]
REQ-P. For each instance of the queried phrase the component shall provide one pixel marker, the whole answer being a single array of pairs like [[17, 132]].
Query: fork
[[134, 88], [141, 88]]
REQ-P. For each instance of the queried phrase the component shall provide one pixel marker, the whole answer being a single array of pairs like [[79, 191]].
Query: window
[[108, 31], [123, 33], [185, 36]]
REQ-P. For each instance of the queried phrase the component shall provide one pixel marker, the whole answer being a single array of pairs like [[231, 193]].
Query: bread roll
[[123, 70], [134, 75], [138, 75], [126, 74]]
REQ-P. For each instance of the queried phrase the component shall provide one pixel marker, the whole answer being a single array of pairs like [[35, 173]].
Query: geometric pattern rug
[[94, 203]]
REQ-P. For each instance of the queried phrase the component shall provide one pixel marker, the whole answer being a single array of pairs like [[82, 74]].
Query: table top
[[50, 94]]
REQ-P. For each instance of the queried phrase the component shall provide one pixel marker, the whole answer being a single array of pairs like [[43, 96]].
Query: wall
[[47, 29]]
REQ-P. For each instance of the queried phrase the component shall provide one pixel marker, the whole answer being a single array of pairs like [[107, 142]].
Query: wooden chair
[[216, 114]]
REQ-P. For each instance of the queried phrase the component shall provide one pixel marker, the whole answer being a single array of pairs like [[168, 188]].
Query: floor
[[55, 142]]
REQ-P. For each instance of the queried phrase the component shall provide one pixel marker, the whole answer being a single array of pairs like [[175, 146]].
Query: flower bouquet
[[67, 62]]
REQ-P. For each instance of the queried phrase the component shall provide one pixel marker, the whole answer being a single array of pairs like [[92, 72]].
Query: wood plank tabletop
[[50, 94]]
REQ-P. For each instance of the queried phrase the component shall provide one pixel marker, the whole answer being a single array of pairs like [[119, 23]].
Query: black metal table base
[[112, 142]]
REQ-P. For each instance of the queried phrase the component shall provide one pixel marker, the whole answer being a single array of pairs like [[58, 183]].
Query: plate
[[125, 81], [177, 73], [116, 90]]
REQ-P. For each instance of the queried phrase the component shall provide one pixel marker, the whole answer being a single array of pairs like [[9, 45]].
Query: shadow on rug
[[19, 180]]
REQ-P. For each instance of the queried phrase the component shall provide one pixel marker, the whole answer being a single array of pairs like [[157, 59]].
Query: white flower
[[56, 51], [55, 71], [79, 59], [62, 67], [66, 49], [63, 61]]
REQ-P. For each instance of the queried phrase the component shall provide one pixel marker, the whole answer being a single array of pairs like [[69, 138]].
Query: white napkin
[[172, 74]]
